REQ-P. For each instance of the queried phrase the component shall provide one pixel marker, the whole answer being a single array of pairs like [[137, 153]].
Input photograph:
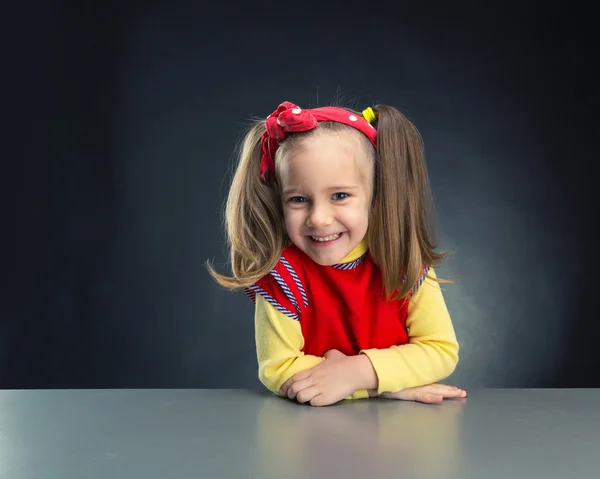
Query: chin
[[326, 259], [324, 262]]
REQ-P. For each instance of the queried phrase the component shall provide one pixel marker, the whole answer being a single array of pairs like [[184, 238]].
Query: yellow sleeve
[[279, 344], [431, 354]]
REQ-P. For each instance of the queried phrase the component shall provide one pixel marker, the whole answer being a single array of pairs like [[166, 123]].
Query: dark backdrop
[[122, 123]]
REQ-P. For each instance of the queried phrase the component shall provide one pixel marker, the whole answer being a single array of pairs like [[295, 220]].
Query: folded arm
[[279, 343], [431, 354]]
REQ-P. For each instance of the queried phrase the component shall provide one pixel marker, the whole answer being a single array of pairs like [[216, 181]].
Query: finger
[[298, 386], [439, 389], [446, 390], [429, 398], [434, 393], [457, 393], [334, 353], [307, 394], [320, 400], [284, 388], [325, 399], [297, 377], [425, 394]]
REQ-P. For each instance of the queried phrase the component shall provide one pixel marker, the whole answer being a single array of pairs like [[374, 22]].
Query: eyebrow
[[343, 187], [288, 191]]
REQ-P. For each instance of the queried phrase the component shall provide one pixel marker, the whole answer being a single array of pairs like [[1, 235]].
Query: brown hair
[[400, 234]]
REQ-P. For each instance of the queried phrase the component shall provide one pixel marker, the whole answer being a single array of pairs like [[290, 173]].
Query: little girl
[[328, 223]]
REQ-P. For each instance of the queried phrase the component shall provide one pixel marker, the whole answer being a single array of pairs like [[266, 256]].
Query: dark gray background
[[123, 119]]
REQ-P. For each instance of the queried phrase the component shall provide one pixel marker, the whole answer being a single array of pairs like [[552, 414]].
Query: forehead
[[323, 158]]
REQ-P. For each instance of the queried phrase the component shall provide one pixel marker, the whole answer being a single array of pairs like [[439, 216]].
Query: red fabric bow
[[289, 118]]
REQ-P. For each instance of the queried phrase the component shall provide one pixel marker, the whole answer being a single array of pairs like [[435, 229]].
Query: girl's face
[[326, 186]]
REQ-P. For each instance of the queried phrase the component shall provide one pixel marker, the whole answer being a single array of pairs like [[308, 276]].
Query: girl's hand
[[325, 384], [334, 354], [428, 394]]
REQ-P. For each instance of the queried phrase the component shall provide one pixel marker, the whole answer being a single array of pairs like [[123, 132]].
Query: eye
[[340, 196], [297, 199]]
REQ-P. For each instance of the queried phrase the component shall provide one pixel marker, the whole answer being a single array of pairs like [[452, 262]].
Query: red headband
[[289, 118]]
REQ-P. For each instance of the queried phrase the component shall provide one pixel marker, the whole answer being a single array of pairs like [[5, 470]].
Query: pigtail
[[252, 219], [401, 231]]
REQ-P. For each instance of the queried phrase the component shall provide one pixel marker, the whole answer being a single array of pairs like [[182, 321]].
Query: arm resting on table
[[432, 352]]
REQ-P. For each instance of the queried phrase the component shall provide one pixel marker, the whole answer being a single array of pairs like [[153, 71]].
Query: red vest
[[339, 307]]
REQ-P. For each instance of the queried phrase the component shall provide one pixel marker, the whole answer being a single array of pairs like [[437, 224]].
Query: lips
[[326, 240], [323, 239]]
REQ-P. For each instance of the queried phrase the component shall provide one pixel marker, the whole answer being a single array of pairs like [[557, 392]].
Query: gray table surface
[[89, 434]]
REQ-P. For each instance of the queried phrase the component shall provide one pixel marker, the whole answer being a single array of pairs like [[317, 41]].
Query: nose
[[319, 216]]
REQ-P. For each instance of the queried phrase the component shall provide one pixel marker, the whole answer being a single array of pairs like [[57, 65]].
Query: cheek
[[358, 215], [292, 218]]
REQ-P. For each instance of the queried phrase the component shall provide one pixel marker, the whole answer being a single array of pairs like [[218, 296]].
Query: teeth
[[326, 238]]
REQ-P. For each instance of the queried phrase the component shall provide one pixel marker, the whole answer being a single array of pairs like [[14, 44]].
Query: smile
[[325, 239]]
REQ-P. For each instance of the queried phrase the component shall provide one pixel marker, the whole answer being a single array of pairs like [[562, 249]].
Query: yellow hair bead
[[369, 115]]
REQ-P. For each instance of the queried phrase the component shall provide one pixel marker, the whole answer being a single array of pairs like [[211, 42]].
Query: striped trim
[[273, 302], [251, 294], [286, 289], [293, 274], [352, 265], [420, 281]]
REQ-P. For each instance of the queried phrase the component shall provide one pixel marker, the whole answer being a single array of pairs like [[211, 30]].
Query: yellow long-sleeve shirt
[[430, 355]]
